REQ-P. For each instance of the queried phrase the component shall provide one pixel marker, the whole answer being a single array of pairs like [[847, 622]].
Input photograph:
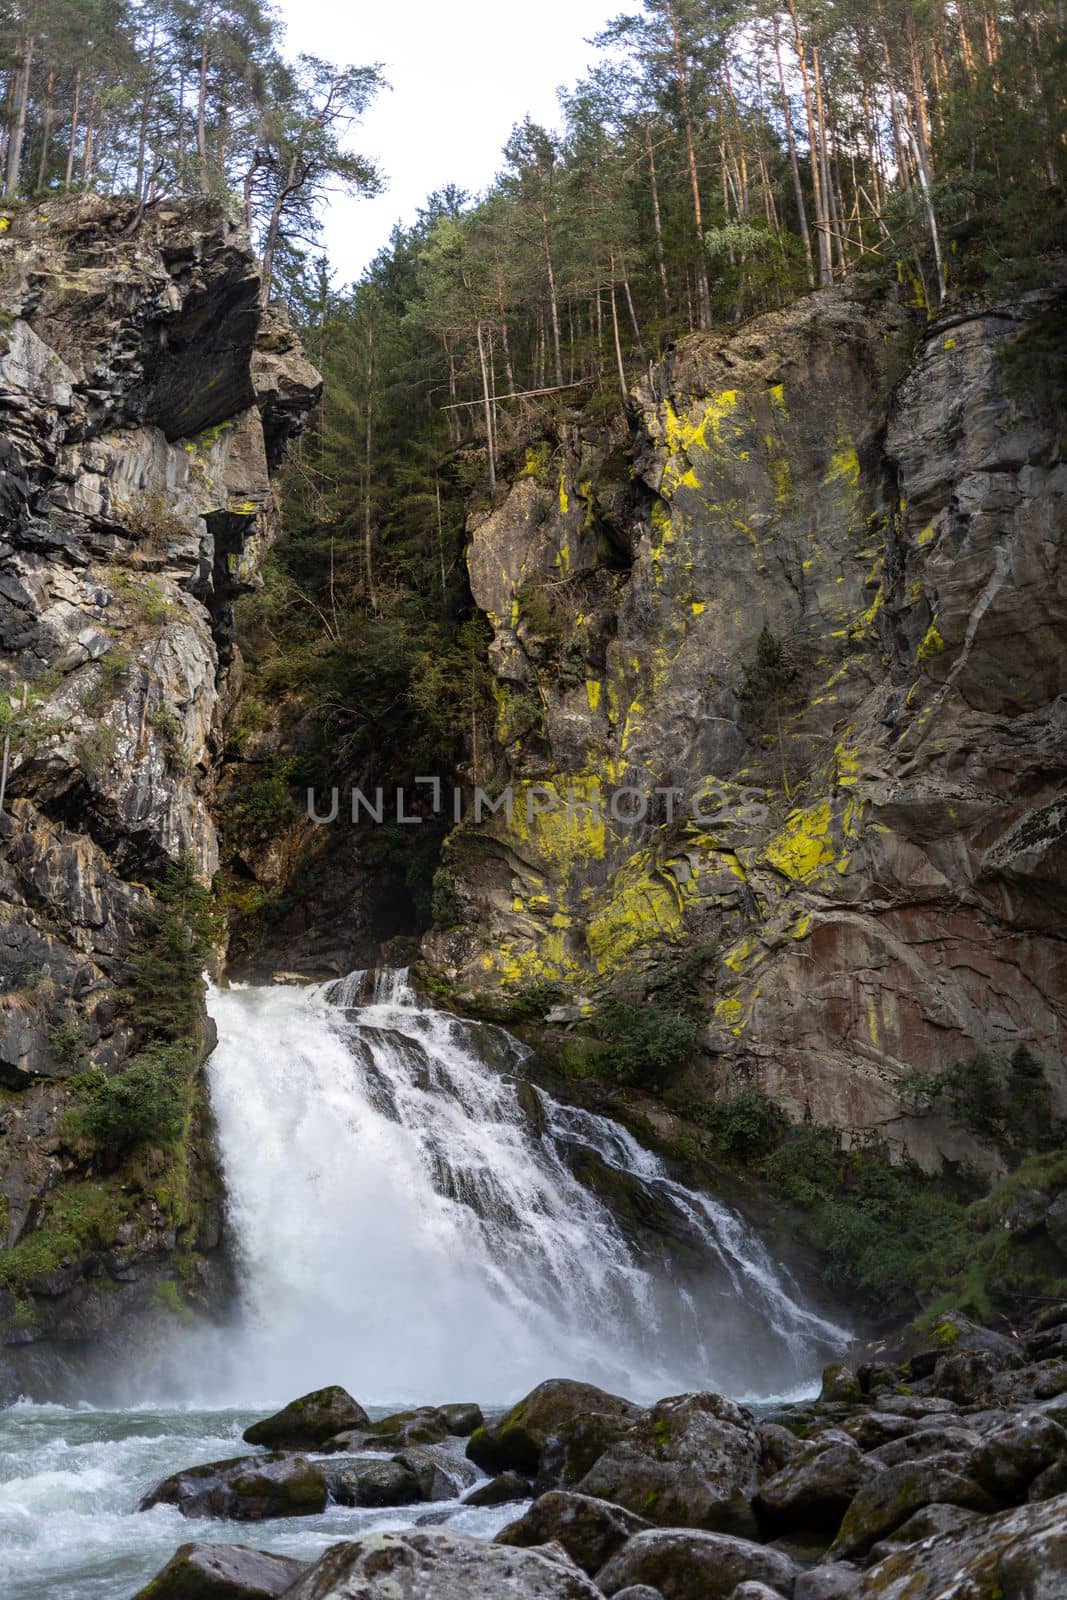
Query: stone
[[839, 1383], [814, 1490], [1011, 1457], [373, 1483], [310, 1421], [779, 1446], [638, 1591], [462, 1419], [518, 1441], [423, 1562], [926, 1442], [953, 1333], [590, 1530], [827, 1581], [691, 1461], [693, 1565], [752, 1589], [1016, 1555], [440, 1475], [929, 1523], [222, 1572], [966, 1376], [245, 1489], [499, 1491], [893, 1495], [423, 1425]]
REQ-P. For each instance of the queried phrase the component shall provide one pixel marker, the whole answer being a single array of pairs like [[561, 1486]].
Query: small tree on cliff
[[770, 683]]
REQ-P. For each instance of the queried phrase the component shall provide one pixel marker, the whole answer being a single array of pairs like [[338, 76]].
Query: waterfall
[[415, 1220]]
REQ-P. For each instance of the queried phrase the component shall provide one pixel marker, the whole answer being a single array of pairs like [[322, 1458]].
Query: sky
[[462, 74]]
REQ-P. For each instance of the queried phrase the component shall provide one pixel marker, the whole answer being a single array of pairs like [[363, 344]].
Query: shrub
[[111, 669], [1008, 1103], [745, 1125], [535, 1000], [147, 1100], [647, 1041], [65, 1042], [165, 985]]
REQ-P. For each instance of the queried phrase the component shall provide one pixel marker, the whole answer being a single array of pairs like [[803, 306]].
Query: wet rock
[[420, 1562], [373, 1483], [966, 1377], [638, 1591], [926, 1442], [814, 1491], [310, 1421], [222, 1572], [423, 1425], [1016, 1555], [245, 1489], [893, 1495], [779, 1447], [440, 1475], [590, 1530], [691, 1565], [1011, 1457], [691, 1461], [462, 1419], [499, 1491], [519, 1441]]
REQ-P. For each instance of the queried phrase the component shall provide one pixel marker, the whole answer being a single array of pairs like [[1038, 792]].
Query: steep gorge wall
[[144, 400], [887, 499]]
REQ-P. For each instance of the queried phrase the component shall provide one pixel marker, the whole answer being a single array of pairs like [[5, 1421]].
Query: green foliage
[[265, 805], [76, 1218], [108, 676], [744, 1126], [1006, 1102], [151, 522], [535, 1000], [647, 1041], [65, 1042], [149, 1100], [164, 982], [97, 750]]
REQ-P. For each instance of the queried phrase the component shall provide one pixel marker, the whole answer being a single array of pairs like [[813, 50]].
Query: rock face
[[144, 399], [1020, 1555], [875, 839]]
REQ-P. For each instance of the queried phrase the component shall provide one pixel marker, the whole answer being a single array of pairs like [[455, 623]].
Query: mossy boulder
[[373, 1483], [500, 1491], [814, 1491], [245, 1489], [439, 1563], [309, 1421], [1017, 1555], [840, 1384], [953, 1332], [461, 1418], [684, 1564], [424, 1425], [890, 1497], [537, 1426], [691, 1461], [591, 1531], [222, 1572]]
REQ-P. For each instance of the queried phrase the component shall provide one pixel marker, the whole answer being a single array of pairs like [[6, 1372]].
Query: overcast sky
[[462, 74]]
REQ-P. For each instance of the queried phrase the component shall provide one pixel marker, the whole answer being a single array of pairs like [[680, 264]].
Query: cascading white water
[[410, 1221]]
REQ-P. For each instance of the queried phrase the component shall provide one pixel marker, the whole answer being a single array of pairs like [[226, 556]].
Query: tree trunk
[[18, 132], [615, 334], [201, 98], [488, 406], [703, 289], [821, 221], [68, 177], [657, 224], [368, 518], [794, 164]]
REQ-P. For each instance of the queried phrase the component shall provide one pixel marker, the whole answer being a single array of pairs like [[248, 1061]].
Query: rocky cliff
[[144, 399], [816, 589]]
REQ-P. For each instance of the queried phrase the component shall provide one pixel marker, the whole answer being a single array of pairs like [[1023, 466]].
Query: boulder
[[836, 1580], [752, 1589], [373, 1483], [462, 1418], [422, 1562], [954, 1332], [1011, 1457], [929, 1523], [591, 1531], [1016, 1555], [507, 1486], [814, 1491], [840, 1384], [935, 1441], [966, 1376], [245, 1489], [424, 1425], [440, 1475], [684, 1564], [779, 1447], [638, 1591], [539, 1424], [691, 1461], [893, 1495], [310, 1421], [222, 1572]]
